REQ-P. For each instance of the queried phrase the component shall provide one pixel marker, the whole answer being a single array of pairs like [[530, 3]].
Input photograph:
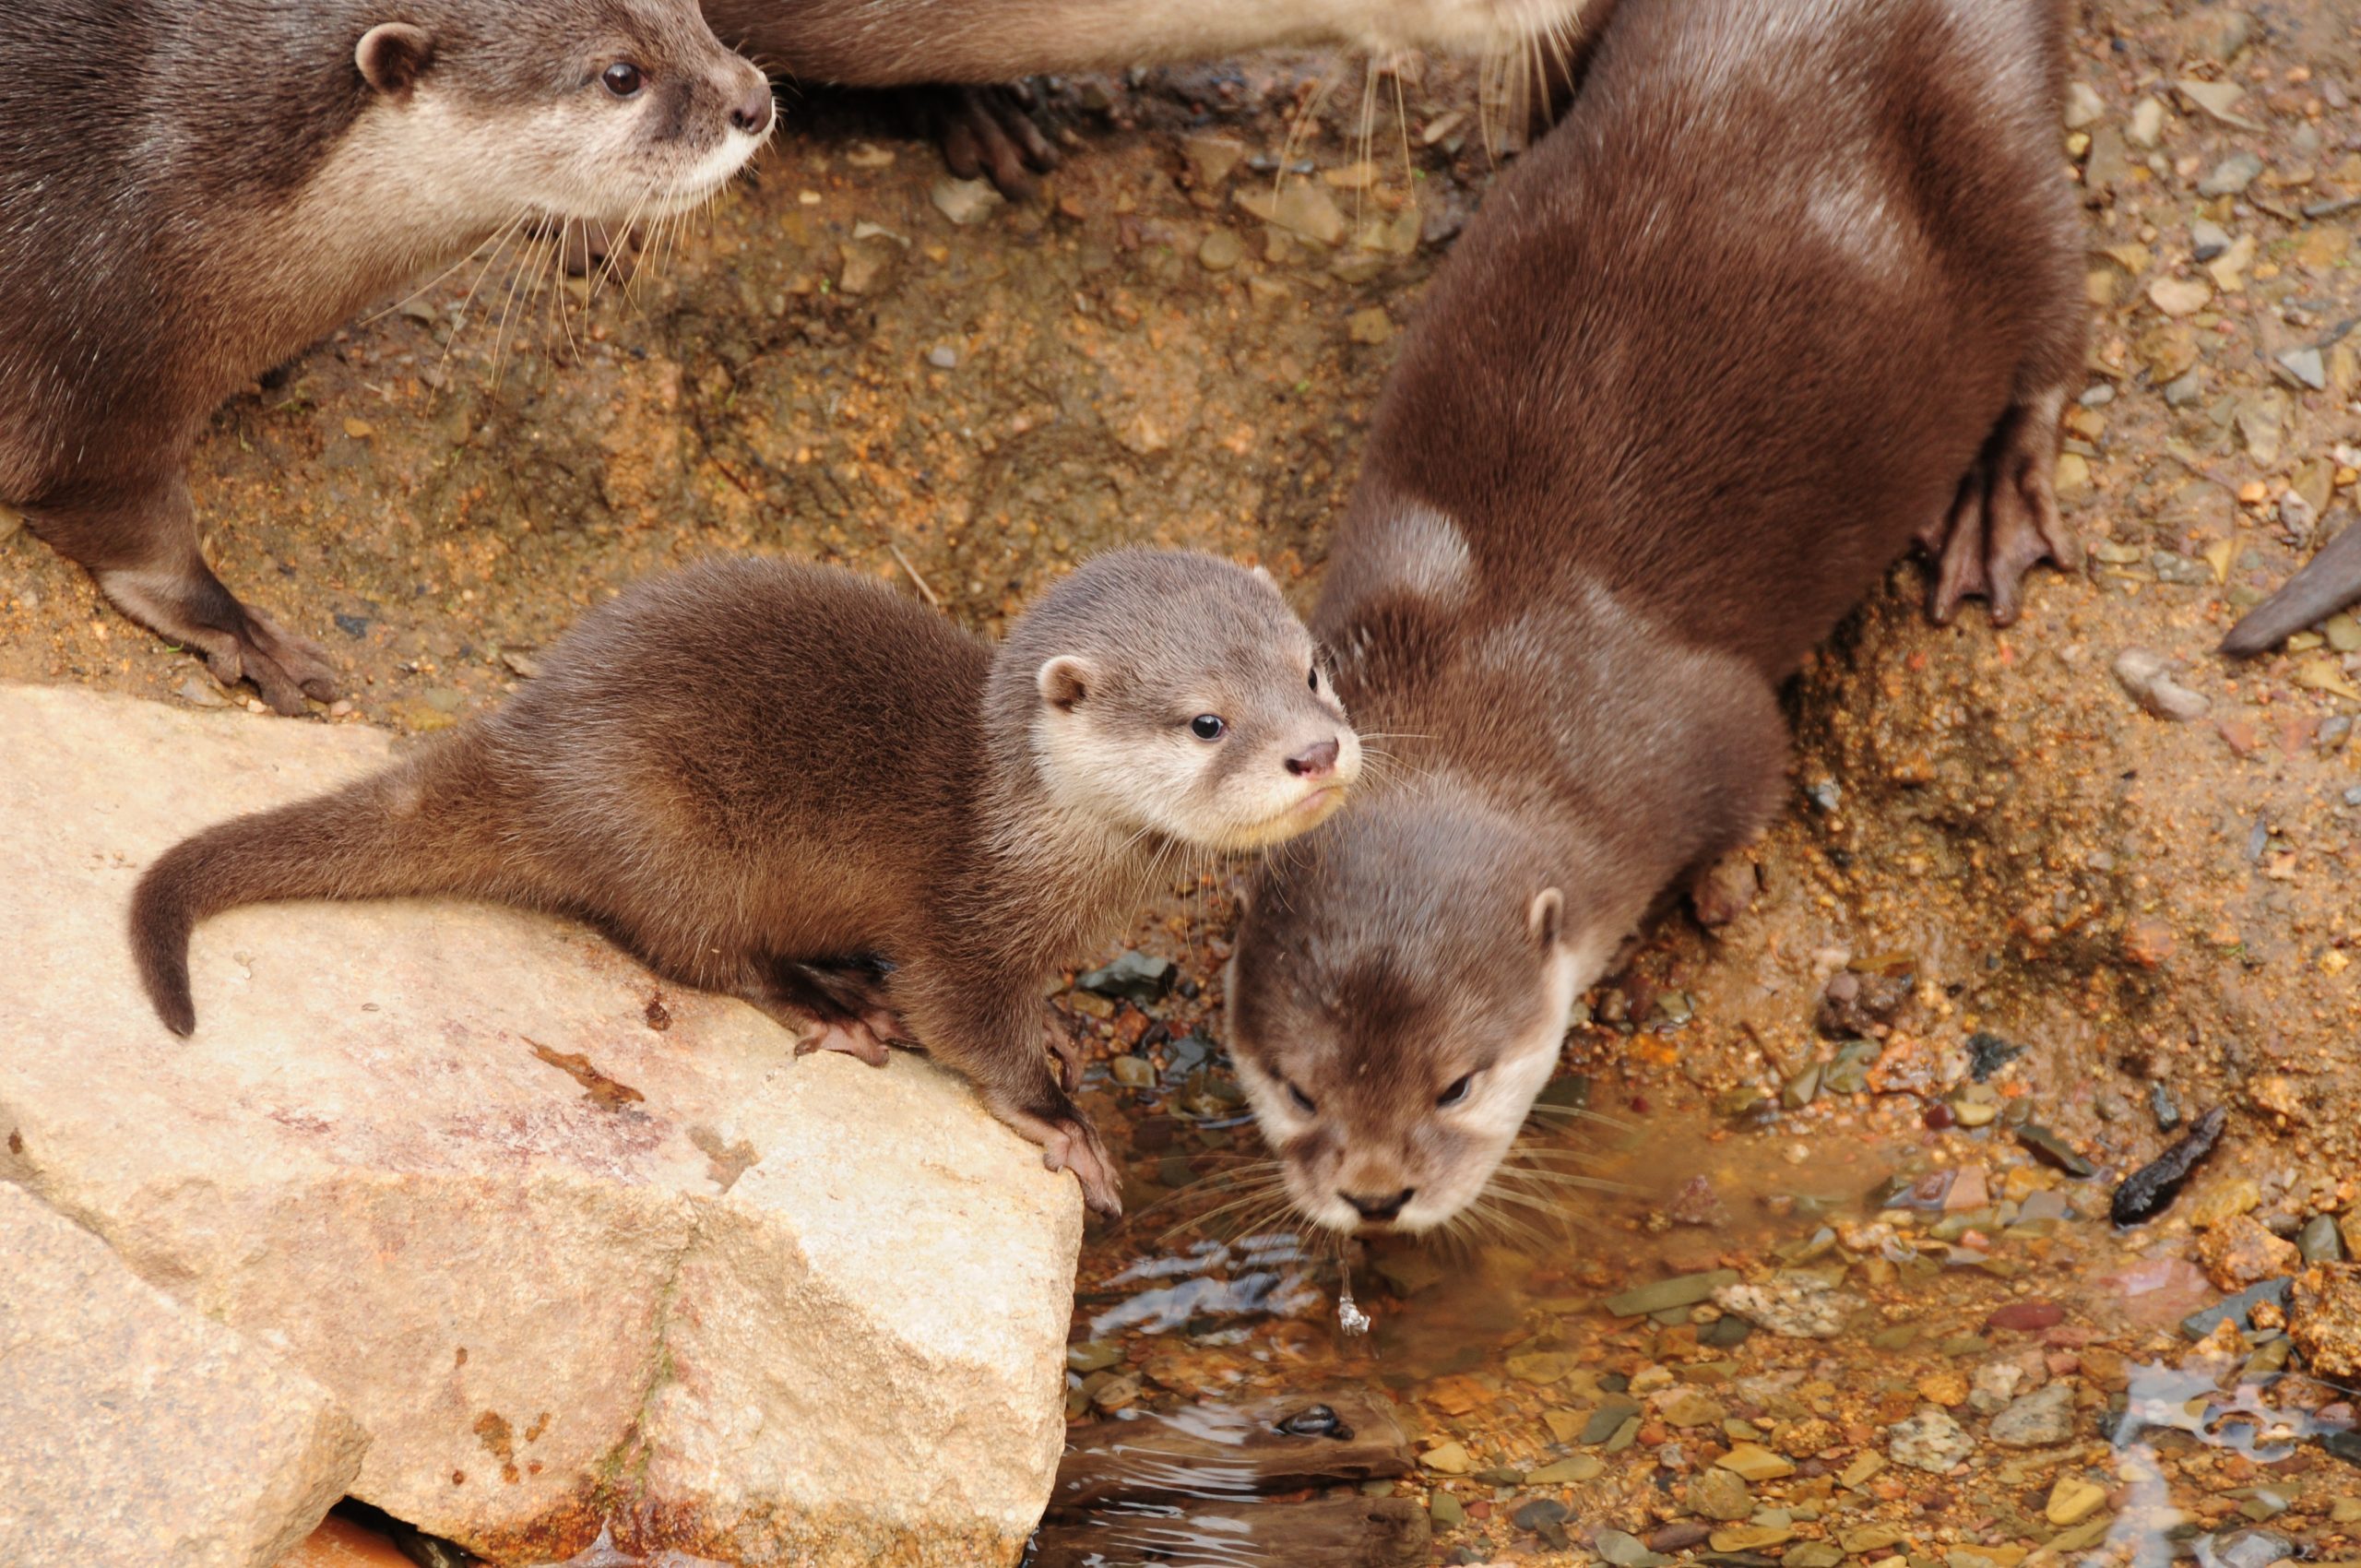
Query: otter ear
[[1263, 574], [1545, 917], [391, 56], [1065, 681]]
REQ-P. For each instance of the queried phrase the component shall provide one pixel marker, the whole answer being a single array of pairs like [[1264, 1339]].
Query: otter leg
[[141, 545], [830, 1007], [991, 1028], [985, 131], [2005, 517]]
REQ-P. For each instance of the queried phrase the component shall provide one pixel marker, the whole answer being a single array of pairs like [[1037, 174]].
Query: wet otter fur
[[757, 775], [1794, 284], [193, 190]]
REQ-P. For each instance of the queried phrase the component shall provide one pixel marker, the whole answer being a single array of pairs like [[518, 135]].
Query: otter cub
[[193, 190], [1574, 568], [750, 771]]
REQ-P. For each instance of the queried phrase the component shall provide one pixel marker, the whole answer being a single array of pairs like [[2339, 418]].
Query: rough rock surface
[[132, 1431], [568, 1268]]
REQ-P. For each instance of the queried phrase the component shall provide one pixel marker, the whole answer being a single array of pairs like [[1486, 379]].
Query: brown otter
[[750, 774], [1708, 362], [195, 189], [972, 45]]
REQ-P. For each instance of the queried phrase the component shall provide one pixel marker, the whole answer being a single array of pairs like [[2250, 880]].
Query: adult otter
[[195, 189], [749, 773], [1710, 359]]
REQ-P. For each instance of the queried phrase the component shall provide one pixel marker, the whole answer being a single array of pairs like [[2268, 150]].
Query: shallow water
[[1528, 1401]]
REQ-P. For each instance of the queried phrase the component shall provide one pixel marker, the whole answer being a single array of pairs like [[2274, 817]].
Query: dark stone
[[2238, 1308], [1539, 1512], [350, 625], [2054, 1151], [1725, 1333], [1316, 1421], [2165, 1108], [1134, 976], [2149, 1190], [1988, 1053]]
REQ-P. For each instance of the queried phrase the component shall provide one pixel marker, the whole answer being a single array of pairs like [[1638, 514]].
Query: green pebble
[[1683, 1291], [1625, 1435], [1446, 1511], [1607, 1420], [1579, 1467], [1724, 1332]]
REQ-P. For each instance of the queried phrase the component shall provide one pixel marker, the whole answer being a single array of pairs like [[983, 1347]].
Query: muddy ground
[[1989, 834]]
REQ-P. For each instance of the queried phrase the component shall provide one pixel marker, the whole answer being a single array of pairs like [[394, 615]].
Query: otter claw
[[858, 1038], [1069, 1142]]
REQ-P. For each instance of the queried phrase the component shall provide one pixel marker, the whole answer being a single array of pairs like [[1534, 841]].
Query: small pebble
[[942, 357]]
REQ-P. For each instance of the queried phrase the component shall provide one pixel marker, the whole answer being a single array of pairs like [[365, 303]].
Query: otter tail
[[2331, 581], [409, 830]]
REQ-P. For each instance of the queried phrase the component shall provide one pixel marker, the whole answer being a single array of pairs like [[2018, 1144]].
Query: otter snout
[[756, 106], [1315, 761], [1382, 1209]]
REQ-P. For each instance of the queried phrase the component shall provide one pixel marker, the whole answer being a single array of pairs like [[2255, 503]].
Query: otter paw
[[238, 641], [2004, 517], [989, 131], [1069, 1143], [854, 1037]]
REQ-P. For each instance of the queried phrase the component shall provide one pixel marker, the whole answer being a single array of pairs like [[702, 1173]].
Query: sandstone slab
[[570, 1269], [132, 1431]]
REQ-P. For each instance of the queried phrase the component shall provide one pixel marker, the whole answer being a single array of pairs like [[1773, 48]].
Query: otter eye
[[1208, 727], [1302, 1100], [622, 79], [1458, 1091], [1313, 679]]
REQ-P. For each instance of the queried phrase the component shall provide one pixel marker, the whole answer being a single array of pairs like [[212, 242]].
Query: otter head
[[1176, 693], [611, 110], [1402, 983]]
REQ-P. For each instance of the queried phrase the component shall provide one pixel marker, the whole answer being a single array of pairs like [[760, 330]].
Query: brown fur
[[757, 776], [1709, 360], [195, 190]]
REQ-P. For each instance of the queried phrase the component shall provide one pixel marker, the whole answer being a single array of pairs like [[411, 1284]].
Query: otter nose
[[1379, 1209], [753, 114], [1314, 762]]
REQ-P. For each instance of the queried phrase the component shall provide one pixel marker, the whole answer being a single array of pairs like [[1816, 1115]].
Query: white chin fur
[[713, 171]]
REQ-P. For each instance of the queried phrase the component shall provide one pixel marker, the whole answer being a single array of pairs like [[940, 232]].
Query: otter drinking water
[[752, 774], [192, 190], [1795, 283]]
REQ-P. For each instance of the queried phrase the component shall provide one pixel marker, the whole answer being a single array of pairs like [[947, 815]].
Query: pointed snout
[[1316, 761], [752, 112]]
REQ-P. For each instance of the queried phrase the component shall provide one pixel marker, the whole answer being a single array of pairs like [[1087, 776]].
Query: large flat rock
[[569, 1269], [132, 1431]]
